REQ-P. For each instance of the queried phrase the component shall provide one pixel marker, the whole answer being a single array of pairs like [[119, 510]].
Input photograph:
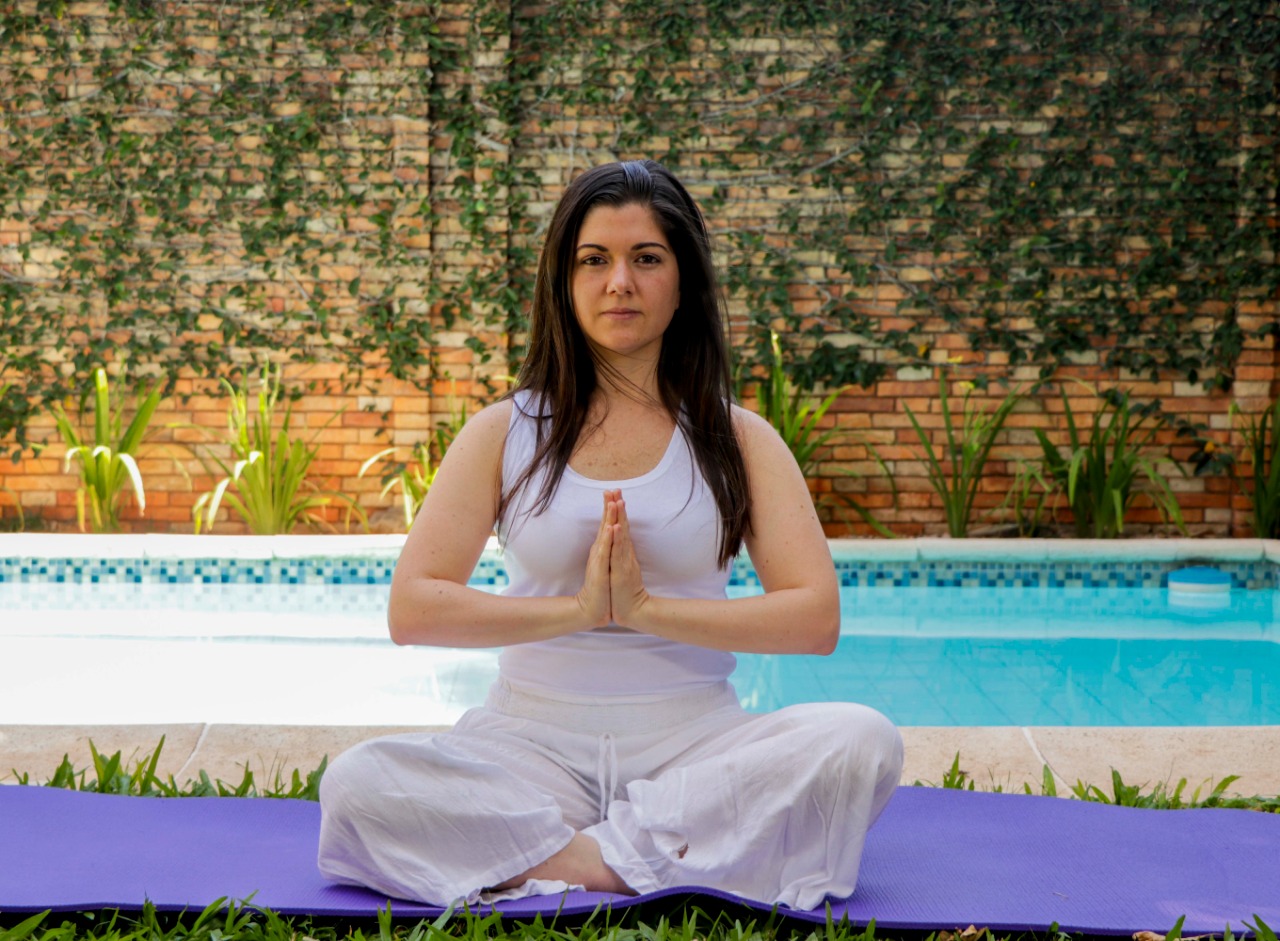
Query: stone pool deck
[[1006, 757]]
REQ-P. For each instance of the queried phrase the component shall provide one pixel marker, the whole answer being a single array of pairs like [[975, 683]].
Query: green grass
[[230, 921], [233, 921], [1159, 797], [114, 774], [225, 921]]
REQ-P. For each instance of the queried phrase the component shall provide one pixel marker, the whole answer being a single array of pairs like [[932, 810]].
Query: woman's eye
[[649, 260], [591, 260]]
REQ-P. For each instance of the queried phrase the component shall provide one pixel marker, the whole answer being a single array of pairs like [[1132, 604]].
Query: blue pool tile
[[1253, 575]]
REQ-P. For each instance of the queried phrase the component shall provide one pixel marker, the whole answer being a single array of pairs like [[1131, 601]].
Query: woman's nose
[[620, 278]]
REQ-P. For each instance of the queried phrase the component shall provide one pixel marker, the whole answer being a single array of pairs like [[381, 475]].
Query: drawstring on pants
[[606, 772], [603, 720]]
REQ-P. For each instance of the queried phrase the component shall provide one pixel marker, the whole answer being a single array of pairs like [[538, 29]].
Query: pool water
[[951, 656], [1041, 656]]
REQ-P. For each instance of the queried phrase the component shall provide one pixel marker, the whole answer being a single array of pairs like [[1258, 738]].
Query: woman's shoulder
[[747, 424], [758, 439], [499, 413], [487, 426]]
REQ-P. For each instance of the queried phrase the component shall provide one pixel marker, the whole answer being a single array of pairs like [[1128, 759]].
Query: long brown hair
[[561, 370]]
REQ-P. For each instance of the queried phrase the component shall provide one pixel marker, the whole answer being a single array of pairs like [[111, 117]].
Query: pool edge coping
[[388, 546]]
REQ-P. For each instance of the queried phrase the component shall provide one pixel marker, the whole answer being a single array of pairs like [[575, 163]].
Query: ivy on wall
[[193, 185], [1043, 177], [189, 186]]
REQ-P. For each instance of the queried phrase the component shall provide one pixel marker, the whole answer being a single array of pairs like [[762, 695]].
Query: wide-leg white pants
[[686, 791]]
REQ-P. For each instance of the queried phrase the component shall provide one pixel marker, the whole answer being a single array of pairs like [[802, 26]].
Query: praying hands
[[613, 591]]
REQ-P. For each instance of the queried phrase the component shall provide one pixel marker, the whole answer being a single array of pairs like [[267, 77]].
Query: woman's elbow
[[826, 634], [407, 623], [425, 613], [396, 627], [825, 641]]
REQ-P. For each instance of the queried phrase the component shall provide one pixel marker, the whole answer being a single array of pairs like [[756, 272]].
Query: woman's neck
[[628, 378]]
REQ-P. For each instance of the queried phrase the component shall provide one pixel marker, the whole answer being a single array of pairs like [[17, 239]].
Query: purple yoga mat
[[936, 859]]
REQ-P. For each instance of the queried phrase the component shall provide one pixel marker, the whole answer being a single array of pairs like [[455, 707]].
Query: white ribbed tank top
[[674, 528]]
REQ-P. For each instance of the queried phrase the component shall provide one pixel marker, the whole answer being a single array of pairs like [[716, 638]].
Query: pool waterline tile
[[1252, 563], [1253, 575]]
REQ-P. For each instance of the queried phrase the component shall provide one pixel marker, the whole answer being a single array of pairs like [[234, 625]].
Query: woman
[[612, 753]]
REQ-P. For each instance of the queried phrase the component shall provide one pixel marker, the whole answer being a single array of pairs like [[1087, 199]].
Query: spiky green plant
[[1102, 475], [415, 476], [795, 414], [107, 462], [21, 521], [1028, 493], [956, 481], [1262, 441], [267, 484], [797, 417], [113, 775]]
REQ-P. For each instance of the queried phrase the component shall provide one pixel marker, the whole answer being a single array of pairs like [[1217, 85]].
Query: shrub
[[108, 463], [796, 416], [1262, 441], [415, 476], [268, 484], [1101, 476], [966, 455]]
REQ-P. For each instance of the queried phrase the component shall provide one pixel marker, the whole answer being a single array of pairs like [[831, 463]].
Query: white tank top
[[674, 526]]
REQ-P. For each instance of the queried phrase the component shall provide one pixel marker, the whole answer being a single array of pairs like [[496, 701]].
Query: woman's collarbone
[[617, 452]]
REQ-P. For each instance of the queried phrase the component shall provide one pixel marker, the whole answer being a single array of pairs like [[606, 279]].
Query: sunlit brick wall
[[401, 413]]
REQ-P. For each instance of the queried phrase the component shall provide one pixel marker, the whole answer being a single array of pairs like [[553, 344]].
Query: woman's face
[[625, 282]]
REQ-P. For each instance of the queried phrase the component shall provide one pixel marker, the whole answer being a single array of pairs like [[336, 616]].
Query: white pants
[[685, 791]]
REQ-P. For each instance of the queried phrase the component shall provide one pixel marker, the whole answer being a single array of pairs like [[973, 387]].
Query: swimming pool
[[940, 640]]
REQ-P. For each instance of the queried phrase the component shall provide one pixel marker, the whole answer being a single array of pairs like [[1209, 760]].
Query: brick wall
[[552, 144]]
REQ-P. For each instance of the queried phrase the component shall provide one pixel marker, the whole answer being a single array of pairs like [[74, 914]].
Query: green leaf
[[24, 929]]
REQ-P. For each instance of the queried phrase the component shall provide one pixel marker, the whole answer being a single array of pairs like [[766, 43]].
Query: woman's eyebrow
[[635, 248]]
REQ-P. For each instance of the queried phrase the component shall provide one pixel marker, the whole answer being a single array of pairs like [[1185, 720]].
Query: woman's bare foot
[[579, 863]]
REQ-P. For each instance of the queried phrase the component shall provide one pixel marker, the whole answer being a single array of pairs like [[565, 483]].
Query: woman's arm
[[430, 601], [800, 609]]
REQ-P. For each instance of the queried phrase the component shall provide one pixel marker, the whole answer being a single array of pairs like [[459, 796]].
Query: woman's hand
[[626, 583], [613, 589], [594, 596], [799, 611]]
